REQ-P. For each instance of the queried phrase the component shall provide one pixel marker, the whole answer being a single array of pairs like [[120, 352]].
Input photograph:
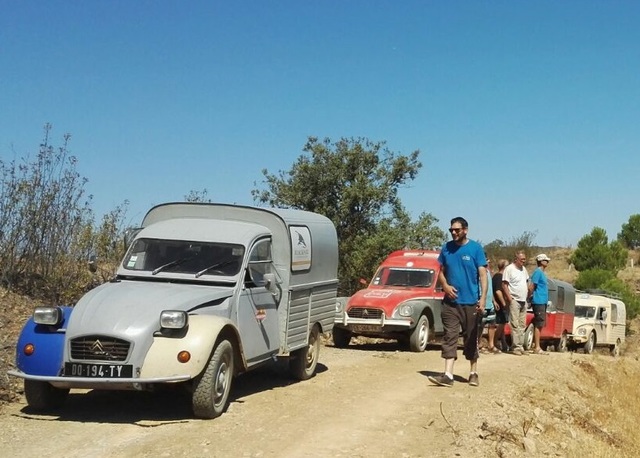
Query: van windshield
[[584, 311], [395, 276], [183, 256]]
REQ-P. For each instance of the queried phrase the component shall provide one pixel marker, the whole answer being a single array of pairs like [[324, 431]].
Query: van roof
[[591, 299]]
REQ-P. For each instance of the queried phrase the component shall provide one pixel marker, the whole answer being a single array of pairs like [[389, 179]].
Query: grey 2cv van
[[205, 291]]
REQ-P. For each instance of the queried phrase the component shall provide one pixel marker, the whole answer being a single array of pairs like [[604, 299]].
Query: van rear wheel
[[615, 349], [211, 389], [591, 343], [304, 361]]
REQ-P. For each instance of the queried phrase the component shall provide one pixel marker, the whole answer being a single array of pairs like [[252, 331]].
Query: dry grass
[[559, 267], [14, 312], [589, 406]]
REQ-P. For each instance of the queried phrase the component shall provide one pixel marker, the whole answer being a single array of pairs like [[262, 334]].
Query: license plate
[[98, 370], [366, 328]]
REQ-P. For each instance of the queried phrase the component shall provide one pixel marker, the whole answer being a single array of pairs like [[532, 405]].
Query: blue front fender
[[48, 347]]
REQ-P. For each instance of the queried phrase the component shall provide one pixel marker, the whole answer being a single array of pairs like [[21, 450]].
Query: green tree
[[595, 252], [630, 234], [593, 279], [354, 182], [631, 300]]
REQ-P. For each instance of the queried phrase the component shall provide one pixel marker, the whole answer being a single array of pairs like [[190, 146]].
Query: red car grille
[[364, 312]]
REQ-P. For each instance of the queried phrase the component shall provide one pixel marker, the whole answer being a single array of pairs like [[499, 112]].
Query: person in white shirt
[[515, 287]]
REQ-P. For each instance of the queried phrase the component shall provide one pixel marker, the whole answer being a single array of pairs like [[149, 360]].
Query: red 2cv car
[[402, 302]]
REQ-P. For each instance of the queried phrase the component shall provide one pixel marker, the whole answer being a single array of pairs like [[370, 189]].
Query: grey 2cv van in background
[[204, 292]]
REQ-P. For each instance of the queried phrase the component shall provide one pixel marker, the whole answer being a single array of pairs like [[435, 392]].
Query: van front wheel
[[304, 361], [43, 396], [211, 389], [419, 337], [341, 337]]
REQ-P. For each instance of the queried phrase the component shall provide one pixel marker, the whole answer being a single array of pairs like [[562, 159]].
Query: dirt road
[[366, 401]]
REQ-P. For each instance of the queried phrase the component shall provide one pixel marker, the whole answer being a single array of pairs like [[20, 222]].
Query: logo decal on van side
[[300, 248]]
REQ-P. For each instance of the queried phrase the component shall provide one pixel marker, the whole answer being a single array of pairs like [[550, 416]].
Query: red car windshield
[[400, 276]]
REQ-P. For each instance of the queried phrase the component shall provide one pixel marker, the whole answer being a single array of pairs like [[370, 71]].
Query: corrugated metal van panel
[[307, 307], [324, 307], [299, 315], [617, 332]]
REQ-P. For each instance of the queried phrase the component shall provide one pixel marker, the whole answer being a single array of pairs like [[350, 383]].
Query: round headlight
[[582, 331], [405, 310]]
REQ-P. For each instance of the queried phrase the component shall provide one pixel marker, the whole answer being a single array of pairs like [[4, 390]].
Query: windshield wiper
[[218, 264], [175, 262]]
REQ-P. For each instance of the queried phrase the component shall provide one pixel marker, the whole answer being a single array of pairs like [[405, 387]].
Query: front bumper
[[100, 383], [380, 324], [577, 338]]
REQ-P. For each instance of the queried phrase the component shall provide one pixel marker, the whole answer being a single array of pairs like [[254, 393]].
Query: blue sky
[[525, 113]]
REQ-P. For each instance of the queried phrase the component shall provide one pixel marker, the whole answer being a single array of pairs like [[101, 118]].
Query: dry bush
[[15, 310]]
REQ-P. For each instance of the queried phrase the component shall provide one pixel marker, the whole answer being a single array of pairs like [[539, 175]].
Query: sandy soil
[[368, 400]]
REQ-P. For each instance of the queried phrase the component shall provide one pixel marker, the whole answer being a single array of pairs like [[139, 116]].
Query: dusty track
[[368, 400]]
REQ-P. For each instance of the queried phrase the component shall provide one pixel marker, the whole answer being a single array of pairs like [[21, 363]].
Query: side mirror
[[270, 282], [129, 235]]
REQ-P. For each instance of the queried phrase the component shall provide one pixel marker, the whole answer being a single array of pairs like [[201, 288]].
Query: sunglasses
[[455, 229]]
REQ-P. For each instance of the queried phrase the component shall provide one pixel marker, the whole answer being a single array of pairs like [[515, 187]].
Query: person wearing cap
[[540, 289]]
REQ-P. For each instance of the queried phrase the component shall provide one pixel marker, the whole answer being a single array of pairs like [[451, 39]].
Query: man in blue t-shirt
[[463, 278], [539, 299]]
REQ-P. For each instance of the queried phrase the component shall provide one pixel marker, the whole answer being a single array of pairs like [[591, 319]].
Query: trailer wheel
[[304, 361], [419, 337], [562, 344], [43, 396], [341, 337], [211, 389], [527, 343], [591, 343], [615, 349]]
